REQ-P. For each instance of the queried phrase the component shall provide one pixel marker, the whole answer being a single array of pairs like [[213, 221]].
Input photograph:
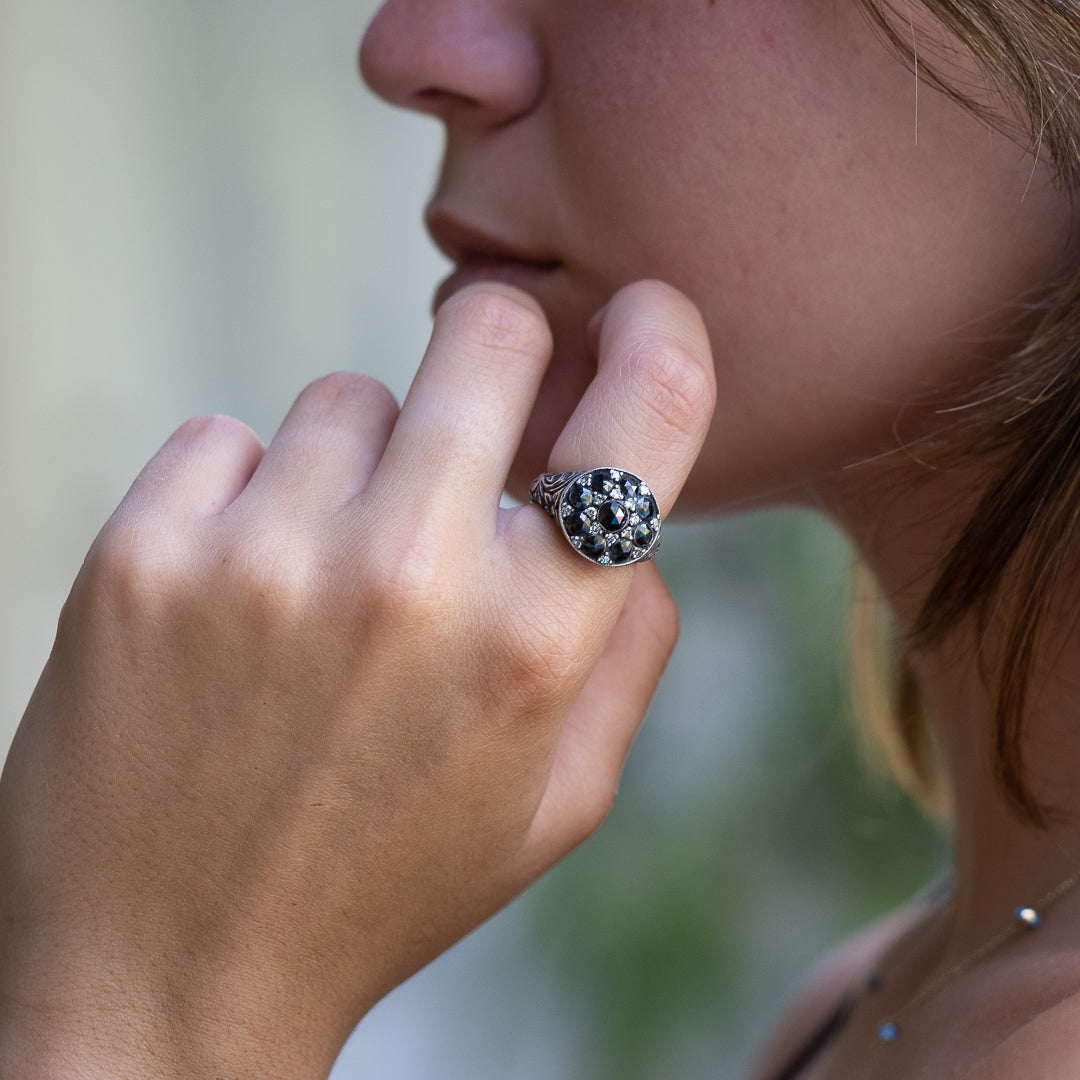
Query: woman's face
[[847, 232]]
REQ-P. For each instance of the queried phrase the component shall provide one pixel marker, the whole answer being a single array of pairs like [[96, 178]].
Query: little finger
[[202, 468]]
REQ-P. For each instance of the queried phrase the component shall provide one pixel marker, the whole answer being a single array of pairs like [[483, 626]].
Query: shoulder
[[1047, 1047], [829, 983]]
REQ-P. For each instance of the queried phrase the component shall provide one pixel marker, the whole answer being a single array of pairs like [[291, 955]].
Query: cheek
[[846, 262]]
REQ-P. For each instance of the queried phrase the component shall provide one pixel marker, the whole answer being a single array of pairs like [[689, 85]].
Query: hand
[[315, 712]]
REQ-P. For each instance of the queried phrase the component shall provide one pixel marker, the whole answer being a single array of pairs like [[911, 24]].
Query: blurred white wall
[[201, 209]]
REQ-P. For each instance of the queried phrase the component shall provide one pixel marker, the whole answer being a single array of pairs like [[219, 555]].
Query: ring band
[[609, 516]]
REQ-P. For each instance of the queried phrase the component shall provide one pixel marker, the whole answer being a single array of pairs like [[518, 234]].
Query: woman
[[315, 711]]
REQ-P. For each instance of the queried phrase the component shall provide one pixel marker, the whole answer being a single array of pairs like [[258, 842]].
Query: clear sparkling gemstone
[[1028, 916], [644, 490]]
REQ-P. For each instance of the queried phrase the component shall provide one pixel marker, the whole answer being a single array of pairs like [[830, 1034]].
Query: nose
[[478, 59]]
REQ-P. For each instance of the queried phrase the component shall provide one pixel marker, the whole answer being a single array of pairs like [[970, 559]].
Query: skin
[[766, 155], [291, 745]]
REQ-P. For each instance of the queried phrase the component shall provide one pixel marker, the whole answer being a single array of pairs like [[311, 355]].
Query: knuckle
[[272, 576], [665, 623], [134, 567], [216, 429], [497, 322], [341, 388], [674, 386], [536, 665], [539, 663], [597, 806], [589, 808], [656, 307], [215, 442], [405, 587], [652, 294]]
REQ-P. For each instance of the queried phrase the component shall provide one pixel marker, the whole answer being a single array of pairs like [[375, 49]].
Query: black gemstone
[[579, 497], [643, 536], [646, 506], [612, 515], [621, 550], [576, 524], [593, 546]]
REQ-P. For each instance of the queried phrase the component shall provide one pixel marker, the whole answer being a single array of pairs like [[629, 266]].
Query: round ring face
[[610, 517]]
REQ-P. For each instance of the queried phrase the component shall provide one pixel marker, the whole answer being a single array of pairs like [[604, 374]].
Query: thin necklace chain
[[1025, 919]]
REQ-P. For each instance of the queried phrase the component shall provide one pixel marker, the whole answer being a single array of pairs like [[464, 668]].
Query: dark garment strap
[[821, 1038]]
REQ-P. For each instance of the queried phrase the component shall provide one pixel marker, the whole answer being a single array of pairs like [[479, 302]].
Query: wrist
[[106, 1027], [36, 1045]]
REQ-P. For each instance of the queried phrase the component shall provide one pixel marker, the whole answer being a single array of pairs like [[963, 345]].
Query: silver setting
[[608, 516]]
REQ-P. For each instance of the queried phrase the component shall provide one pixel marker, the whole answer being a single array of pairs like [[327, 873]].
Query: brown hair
[[1007, 561]]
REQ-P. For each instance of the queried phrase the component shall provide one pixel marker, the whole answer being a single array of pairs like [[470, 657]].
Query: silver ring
[[609, 516]]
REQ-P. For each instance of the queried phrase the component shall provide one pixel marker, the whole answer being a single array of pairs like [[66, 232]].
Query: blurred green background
[[201, 210]]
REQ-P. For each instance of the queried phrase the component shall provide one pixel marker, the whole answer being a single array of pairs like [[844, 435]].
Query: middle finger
[[466, 410]]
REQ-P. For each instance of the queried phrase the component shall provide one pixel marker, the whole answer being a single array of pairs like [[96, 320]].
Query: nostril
[[434, 100]]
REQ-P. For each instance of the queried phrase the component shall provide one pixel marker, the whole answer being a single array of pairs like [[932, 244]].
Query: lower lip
[[520, 274]]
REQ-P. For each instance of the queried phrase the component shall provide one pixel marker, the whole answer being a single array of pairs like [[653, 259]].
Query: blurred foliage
[[676, 931]]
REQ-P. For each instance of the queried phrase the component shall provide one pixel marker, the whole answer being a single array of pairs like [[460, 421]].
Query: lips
[[480, 256]]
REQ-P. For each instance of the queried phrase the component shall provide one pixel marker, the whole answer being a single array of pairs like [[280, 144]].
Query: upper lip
[[464, 243]]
